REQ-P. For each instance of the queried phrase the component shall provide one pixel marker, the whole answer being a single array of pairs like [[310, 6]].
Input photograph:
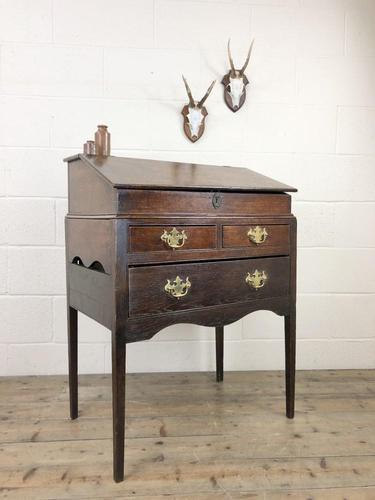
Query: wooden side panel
[[212, 284], [92, 240], [91, 292], [133, 201], [89, 193]]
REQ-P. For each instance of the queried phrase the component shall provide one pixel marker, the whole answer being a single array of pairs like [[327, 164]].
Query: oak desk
[[153, 243]]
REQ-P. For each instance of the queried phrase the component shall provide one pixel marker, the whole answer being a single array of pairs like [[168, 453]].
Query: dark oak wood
[[89, 193], [290, 326], [144, 327], [148, 238], [136, 202], [277, 240], [73, 360], [219, 342], [118, 266], [212, 283], [91, 291], [290, 361], [118, 404], [218, 253], [137, 173], [92, 241]]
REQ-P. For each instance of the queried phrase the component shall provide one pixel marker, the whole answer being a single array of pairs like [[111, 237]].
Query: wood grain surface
[[212, 284], [150, 174], [200, 203], [148, 238], [277, 237], [191, 438], [122, 275]]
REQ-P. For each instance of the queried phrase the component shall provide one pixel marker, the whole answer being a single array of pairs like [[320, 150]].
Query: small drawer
[[177, 287], [171, 238], [271, 238]]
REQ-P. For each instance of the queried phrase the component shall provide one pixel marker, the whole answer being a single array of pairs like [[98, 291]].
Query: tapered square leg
[[73, 360], [219, 339], [290, 362], [118, 405]]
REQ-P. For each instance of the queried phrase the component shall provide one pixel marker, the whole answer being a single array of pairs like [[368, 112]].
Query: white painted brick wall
[[309, 121], [29, 221], [36, 270], [356, 130], [34, 173], [117, 23], [3, 271], [23, 21], [24, 122], [28, 319], [66, 71]]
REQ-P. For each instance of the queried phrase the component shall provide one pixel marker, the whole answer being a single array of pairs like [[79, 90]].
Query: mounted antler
[[201, 102], [188, 91], [235, 82], [242, 70], [195, 113], [232, 69]]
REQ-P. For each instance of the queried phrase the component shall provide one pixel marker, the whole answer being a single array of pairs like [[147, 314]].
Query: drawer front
[[171, 238], [164, 288], [271, 238], [146, 202]]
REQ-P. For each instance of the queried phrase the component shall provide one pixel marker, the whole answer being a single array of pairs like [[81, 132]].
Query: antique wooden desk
[[153, 243]]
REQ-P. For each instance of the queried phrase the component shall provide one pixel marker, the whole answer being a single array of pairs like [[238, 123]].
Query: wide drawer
[[158, 289], [140, 202], [273, 238], [158, 238]]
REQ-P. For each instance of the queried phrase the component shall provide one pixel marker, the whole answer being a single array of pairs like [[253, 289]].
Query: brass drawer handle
[[257, 235], [174, 238], [177, 288], [257, 279]]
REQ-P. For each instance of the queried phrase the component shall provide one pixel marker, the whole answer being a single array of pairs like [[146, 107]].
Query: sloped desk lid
[[137, 173]]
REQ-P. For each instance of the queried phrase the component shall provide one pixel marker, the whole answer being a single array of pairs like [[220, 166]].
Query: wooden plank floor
[[191, 438]]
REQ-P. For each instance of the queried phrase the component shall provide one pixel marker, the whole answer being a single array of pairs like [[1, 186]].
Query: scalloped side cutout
[[77, 260], [97, 266], [94, 266]]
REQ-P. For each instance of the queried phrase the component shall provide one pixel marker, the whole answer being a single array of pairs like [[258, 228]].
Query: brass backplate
[[257, 279], [177, 288]]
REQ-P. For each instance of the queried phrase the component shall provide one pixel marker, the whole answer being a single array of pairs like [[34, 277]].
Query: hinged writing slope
[[129, 173], [106, 185]]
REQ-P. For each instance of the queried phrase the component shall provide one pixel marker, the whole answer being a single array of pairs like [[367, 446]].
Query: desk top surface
[[139, 173]]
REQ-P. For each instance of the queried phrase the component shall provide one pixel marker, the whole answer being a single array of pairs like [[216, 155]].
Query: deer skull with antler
[[235, 82], [195, 113]]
